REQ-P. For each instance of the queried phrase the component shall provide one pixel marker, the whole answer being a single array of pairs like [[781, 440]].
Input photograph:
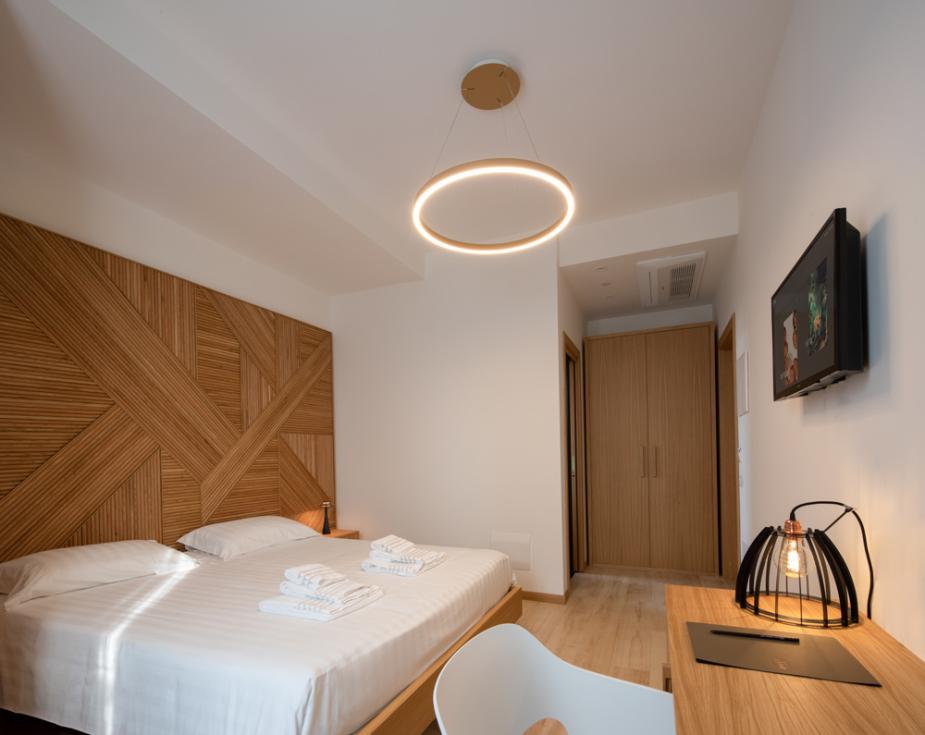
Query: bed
[[190, 653]]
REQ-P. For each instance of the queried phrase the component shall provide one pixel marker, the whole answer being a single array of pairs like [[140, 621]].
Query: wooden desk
[[715, 699]]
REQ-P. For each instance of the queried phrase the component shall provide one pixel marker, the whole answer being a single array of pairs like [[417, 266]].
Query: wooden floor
[[613, 624]]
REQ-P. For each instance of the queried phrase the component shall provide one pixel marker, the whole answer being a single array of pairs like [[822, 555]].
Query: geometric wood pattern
[[48, 506], [288, 348], [133, 511], [256, 391], [309, 416], [181, 509], [231, 468], [218, 359], [257, 492], [316, 453], [164, 302], [254, 328], [135, 404], [298, 488], [45, 399]]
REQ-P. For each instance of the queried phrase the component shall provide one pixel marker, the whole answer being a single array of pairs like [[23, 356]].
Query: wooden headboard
[[134, 404]]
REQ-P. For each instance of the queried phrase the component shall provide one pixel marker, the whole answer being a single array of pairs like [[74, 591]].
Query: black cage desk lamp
[[817, 590]]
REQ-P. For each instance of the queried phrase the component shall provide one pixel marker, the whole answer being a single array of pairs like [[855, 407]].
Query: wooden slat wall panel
[[314, 414], [69, 296], [133, 511], [309, 339], [298, 480], [180, 511], [299, 490], [166, 303], [43, 511], [256, 391], [288, 347], [155, 404], [257, 492], [218, 358], [45, 399], [254, 329], [233, 465], [316, 452]]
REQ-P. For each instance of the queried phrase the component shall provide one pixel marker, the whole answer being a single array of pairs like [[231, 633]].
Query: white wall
[[571, 318], [447, 402], [571, 323], [843, 126], [650, 320], [694, 221], [31, 191]]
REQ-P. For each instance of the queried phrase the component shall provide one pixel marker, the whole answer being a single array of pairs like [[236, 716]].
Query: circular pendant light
[[492, 85], [494, 167]]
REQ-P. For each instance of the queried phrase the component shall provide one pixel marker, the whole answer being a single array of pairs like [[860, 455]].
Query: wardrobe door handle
[[655, 469], [644, 460]]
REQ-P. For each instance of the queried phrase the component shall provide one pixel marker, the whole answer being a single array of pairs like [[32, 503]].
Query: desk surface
[[716, 699]]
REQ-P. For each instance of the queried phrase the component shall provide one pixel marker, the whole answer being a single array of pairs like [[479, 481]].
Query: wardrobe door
[[618, 506], [682, 497]]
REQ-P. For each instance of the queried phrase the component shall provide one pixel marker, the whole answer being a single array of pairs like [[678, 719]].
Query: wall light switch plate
[[742, 384]]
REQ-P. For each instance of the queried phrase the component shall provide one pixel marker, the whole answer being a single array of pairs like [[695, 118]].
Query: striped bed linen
[[190, 653]]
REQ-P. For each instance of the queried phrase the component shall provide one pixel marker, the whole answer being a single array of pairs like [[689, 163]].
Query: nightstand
[[343, 533]]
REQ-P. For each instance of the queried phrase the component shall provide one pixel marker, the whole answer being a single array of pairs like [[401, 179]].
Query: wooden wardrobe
[[652, 449]]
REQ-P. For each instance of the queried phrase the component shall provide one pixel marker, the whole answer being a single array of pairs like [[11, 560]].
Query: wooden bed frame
[[413, 710], [408, 714]]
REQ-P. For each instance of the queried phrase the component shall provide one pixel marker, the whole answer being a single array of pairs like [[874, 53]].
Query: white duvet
[[190, 653]]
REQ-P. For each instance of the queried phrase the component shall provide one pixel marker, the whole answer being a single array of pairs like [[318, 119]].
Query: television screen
[[817, 313]]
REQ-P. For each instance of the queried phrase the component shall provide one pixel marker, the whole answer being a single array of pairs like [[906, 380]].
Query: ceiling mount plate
[[490, 85]]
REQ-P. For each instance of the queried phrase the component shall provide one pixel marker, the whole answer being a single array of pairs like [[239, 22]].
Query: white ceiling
[[608, 287], [298, 133]]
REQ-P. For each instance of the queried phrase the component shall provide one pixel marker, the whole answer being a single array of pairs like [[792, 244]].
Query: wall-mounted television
[[818, 313]]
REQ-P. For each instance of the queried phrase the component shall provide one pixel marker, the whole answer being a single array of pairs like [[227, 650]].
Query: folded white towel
[[407, 557], [402, 569], [314, 609], [340, 592], [391, 544], [314, 576], [391, 549]]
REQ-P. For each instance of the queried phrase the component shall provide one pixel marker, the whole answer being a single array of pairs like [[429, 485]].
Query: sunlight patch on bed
[[109, 652]]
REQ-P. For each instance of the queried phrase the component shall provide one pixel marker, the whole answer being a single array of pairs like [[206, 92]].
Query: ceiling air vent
[[670, 280]]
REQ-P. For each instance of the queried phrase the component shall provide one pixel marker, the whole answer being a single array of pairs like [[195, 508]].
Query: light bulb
[[793, 552]]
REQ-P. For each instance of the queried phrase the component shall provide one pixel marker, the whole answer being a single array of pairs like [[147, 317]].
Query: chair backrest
[[504, 680]]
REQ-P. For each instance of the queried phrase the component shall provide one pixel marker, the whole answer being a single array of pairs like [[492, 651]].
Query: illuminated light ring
[[493, 167]]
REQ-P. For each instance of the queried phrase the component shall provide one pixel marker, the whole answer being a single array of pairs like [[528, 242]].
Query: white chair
[[504, 680]]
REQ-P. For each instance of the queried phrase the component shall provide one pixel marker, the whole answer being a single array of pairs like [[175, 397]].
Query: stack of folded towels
[[395, 555], [317, 592]]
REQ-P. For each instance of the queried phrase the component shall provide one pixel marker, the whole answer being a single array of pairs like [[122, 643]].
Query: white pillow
[[52, 572], [234, 538]]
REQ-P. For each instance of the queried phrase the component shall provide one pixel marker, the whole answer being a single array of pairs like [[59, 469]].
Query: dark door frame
[[573, 449], [727, 451]]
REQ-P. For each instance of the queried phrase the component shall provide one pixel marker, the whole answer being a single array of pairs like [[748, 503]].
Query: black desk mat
[[813, 656]]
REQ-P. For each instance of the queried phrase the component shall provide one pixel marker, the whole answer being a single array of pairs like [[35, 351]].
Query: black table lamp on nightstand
[[799, 577], [326, 528]]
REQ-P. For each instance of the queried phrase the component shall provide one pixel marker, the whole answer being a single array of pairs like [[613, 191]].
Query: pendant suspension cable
[[536, 155], [448, 134], [507, 138]]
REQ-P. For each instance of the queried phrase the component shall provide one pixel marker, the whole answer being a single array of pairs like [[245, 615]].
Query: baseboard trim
[[674, 576], [545, 597]]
